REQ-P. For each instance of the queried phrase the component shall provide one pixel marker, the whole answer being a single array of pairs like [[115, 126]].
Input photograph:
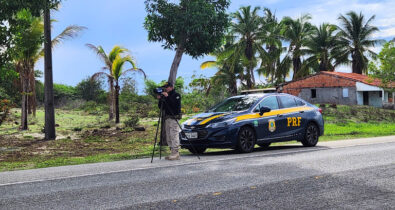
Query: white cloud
[[385, 33]]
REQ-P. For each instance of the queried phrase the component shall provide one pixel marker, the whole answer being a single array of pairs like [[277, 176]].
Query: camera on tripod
[[159, 90]]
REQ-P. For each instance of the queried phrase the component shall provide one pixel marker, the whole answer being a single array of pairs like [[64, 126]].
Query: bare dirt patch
[[19, 147]]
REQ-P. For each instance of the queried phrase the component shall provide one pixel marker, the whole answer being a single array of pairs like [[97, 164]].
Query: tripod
[[160, 122]]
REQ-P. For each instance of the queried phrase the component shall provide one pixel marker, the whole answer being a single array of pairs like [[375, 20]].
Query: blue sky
[[120, 22]]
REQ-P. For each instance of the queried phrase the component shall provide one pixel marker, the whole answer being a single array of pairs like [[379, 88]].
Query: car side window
[[270, 102], [287, 102], [299, 102]]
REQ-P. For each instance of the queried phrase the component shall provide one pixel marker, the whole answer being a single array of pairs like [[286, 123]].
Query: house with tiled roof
[[339, 88]]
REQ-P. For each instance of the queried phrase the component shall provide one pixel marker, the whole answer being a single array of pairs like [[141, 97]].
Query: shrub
[[92, 107], [90, 90], [131, 121], [195, 109], [153, 113], [5, 106]]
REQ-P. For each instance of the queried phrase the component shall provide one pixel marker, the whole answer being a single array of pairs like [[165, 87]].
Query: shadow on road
[[263, 150]]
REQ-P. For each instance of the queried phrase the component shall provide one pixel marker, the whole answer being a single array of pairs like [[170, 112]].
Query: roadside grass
[[99, 141]]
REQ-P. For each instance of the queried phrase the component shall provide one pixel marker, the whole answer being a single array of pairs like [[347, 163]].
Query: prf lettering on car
[[294, 121]]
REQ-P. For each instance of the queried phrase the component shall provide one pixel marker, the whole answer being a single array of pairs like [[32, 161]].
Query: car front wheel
[[311, 135], [246, 140]]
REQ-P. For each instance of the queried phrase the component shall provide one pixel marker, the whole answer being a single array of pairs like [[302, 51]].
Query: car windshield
[[235, 104]]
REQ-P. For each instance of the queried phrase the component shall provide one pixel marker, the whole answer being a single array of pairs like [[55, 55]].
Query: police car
[[242, 121]]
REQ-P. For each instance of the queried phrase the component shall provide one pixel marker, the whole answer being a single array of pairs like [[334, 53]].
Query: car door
[[266, 126], [289, 117], [304, 116]]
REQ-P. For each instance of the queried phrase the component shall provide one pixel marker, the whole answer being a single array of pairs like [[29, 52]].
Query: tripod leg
[[156, 135], [161, 135], [161, 140]]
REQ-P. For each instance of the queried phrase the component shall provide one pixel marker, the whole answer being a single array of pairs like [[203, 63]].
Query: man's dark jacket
[[172, 105]]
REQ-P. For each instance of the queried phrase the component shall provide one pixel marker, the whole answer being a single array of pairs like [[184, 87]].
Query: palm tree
[[28, 50], [355, 40], [225, 75], [320, 47], [108, 61], [247, 28], [28, 43], [272, 66], [68, 33], [116, 71], [297, 33], [229, 64]]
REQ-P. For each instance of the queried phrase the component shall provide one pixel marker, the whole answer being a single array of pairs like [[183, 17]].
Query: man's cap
[[167, 84]]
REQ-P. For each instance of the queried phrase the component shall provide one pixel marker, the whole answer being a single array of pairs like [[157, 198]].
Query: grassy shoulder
[[99, 141]]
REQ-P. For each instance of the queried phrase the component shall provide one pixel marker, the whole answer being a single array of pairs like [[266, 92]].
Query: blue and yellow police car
[[242, 121]]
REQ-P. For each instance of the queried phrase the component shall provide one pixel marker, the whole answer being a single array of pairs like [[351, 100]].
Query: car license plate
[[192, 135]]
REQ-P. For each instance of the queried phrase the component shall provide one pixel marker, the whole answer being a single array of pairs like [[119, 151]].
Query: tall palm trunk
[[233, 87], [117, 102], [249, 53], [50, 133], [176, 63], [297, 64], [32, 90], [24, 81], [111, 100], [252, 77], [251, 67], [248, 79], [356, 62]]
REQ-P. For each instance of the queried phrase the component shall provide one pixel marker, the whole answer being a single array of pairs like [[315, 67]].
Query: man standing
[[172, 108]]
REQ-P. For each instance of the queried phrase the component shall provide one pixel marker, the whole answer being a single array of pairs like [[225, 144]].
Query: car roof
[[259, 95]]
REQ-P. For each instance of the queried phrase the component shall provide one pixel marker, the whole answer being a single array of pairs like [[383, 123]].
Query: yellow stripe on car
[[272, 113], [211, 118]]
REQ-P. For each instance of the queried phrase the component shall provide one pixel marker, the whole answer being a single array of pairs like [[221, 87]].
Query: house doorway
[[365, 98]]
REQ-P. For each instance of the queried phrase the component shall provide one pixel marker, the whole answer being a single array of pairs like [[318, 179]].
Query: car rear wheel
[[197, 150], [264, 145], [246, 140], [311, 135]]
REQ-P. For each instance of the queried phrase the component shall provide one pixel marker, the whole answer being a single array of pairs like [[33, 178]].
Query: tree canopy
[[192, 27], [199, 25], [385, 68], [8, 15]]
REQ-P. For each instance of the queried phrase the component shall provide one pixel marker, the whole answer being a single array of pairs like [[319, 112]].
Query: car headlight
[[222, 124]]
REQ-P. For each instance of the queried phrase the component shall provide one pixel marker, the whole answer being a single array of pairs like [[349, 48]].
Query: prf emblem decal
[[272, 125]]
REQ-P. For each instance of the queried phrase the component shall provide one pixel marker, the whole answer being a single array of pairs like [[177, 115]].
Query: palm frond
[[95, 76], [208, 64], [116, 50], [69, 32], [102, 55]]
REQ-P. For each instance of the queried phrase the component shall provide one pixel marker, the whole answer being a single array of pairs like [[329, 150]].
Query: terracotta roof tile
[[356, 77]]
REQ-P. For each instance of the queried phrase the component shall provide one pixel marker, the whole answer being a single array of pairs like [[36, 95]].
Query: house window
[[313, 93], [381, 94], [345, 92]]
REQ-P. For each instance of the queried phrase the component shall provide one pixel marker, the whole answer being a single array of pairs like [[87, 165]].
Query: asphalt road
[[353, 174]]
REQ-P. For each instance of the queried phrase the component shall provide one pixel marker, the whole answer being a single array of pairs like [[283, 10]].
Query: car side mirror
[[264, 109]]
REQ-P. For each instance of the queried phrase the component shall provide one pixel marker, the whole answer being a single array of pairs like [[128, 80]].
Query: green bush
[[94, 108], [131, 121], [90, 90], [153, 113]]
